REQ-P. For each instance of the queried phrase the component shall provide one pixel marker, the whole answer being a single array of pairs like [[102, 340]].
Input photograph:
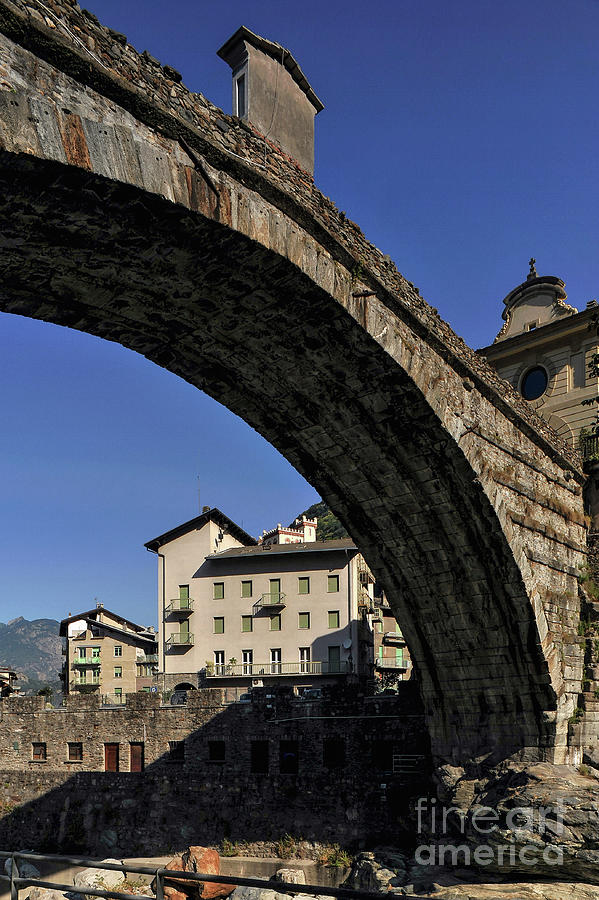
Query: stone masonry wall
[[212, 792], [131, 216]]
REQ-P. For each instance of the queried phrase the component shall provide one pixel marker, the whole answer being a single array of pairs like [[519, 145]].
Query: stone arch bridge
[[135, 210]]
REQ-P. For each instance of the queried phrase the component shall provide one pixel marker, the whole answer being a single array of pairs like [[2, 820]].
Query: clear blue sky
[[462, 137]]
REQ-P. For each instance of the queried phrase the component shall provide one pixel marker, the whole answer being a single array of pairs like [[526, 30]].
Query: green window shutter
[[304, 620], [333, 618], [333, 584], [398, 656], [219, 590], [246, 588], [219, 625], [246, 623], [303, 585], [183, 592], [381, 652], [275, 623]]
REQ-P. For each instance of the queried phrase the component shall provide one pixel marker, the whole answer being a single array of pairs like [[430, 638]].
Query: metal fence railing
[[160, 876]]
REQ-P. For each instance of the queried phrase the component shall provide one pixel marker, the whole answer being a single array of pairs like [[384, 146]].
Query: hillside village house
[[548, 351], [107, 654], [7, 681], [233, 611]]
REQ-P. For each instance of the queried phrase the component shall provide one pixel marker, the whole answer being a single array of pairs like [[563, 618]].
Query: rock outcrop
[[196, 860]]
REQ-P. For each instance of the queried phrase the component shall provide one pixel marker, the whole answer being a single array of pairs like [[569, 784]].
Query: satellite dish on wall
[[347, 644]]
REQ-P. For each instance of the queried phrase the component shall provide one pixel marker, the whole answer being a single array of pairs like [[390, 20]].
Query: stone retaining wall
[[207, 790]]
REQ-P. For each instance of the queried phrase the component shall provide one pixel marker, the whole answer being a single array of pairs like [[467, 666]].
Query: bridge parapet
[[79, 45]]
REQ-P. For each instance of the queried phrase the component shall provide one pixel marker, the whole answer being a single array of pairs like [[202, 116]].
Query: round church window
[[534, 384]]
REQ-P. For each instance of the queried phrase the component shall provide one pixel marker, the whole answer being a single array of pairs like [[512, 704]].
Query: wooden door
[[137, 757], [111, 757]]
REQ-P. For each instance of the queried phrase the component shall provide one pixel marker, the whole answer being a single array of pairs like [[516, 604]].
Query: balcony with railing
[[269, 601], [85, 687], [150, 658], [394, 639], [85, 661], [179, 639], [179, 607], [113, 700], [392, 662], [257, 670], [589, 446]]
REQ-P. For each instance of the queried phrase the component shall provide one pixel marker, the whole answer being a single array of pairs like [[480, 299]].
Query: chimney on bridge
[[271, 92]]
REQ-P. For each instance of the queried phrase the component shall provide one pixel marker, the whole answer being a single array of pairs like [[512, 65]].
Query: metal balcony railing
[[269, 600], [147, 658], [393, 637], [14, 883], [180, 639], [589, 446], [279, 668], [179, 607], [391, 663], [113, 700], [88, 661]]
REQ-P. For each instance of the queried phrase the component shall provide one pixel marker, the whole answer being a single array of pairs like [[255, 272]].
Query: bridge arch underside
[[248, 327]]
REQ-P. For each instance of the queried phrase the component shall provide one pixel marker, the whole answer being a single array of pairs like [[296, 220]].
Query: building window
[[246, 623], [304, 655], [247, 660], [219, 662], [333, 584], [333, 618], [82, 652], [176, 751], [303, 585], [183, 592], [95, 653], [246, 588], [240, 96], [275, 661], [275, 622], [74, 751], [534, 383], [288, 757], [382, 755], [259, 757], [38, 752], [218, 590], [219, 624], [303, 620], [118, 695], [216, 751], [118, 671], [118, 650], [333, 753]]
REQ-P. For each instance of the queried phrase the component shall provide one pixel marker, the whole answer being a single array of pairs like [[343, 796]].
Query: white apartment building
[[236, 612]]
